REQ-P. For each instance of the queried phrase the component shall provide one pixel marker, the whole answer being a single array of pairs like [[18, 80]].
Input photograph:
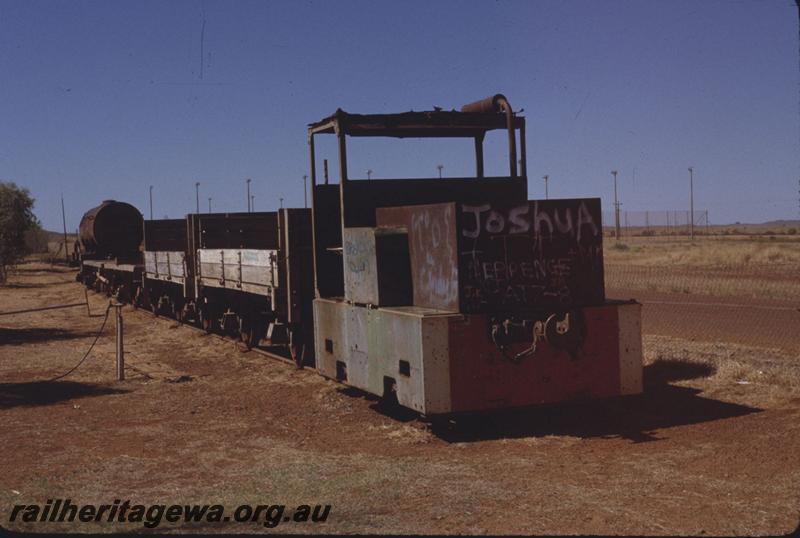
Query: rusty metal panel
[[482, 378], [165, 235], [297, 264], [537, 254], [362, 198], [256, 231], [433, 252], [504, 257], [433, 123], [377, 266], [329, 276]]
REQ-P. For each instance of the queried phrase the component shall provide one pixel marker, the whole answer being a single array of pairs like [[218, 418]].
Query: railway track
[[239, 344]]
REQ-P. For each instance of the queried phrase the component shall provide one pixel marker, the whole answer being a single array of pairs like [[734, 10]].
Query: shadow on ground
[[631, 417], [663, 371], [29, 285], [48, 392], [52, 269], [28, 335]]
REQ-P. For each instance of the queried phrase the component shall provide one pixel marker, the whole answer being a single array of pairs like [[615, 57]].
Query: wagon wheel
[[154, 307], [248, 332], [179, 313], [137, 298], [206, 319]]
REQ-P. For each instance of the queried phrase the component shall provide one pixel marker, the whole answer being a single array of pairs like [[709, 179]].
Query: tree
[[16, 218]]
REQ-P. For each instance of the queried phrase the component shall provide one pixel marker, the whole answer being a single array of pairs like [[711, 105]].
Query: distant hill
[[782, 223], [773, 223], [55, 237]]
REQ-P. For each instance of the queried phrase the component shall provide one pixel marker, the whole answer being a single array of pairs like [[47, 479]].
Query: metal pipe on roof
[[499, 103]]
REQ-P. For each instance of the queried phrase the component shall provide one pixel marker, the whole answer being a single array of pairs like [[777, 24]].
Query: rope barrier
[[96, 338], [43, 308]]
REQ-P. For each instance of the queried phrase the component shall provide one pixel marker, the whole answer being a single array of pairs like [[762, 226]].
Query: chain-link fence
[[737, 291], [664, 222]]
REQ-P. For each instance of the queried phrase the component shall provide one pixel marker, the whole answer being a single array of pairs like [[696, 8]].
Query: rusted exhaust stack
[[494, 103], [498, 103]]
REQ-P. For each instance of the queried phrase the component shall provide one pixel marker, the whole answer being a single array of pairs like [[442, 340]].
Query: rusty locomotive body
[[461, 295], [443, 295]]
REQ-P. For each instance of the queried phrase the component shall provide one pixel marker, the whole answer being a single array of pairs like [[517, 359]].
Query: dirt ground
[[712, 447]]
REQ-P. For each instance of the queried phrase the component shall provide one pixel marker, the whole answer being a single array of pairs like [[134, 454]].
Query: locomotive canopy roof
[[474, 120], [432, 123]]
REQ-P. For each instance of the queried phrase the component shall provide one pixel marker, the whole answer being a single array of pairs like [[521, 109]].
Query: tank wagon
[[459, 294], [109, 249]]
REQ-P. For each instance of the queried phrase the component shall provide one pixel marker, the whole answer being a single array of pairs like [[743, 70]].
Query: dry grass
[[725, 267], [760, 377], [704, 253]]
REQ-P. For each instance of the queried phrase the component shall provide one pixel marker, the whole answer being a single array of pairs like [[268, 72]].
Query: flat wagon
[[168, 268], [252, 275]]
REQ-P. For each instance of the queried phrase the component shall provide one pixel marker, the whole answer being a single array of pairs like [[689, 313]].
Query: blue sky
[[101, 99]]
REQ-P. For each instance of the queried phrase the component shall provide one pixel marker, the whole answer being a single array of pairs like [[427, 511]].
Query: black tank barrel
[[112, 228]]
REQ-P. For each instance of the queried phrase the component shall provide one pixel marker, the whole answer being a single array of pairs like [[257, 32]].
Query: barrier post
[[120, 347]]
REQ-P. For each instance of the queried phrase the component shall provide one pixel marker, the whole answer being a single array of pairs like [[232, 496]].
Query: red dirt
[[695, 454]]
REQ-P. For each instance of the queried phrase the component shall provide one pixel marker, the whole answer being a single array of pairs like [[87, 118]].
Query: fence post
[[688, 227], [120, 347]]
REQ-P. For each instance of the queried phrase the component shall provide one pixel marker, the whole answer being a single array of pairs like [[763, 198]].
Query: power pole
[[546, 195], [209, 204], [151, 202], [64, 220], [305, 191], [616, 206], [691, 204], [253, 202], [249, 200], [440, 166], [197, 194], [369, 174], [281, 199]]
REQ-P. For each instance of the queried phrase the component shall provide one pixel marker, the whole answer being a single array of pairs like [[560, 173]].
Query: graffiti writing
[[541, 253]]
